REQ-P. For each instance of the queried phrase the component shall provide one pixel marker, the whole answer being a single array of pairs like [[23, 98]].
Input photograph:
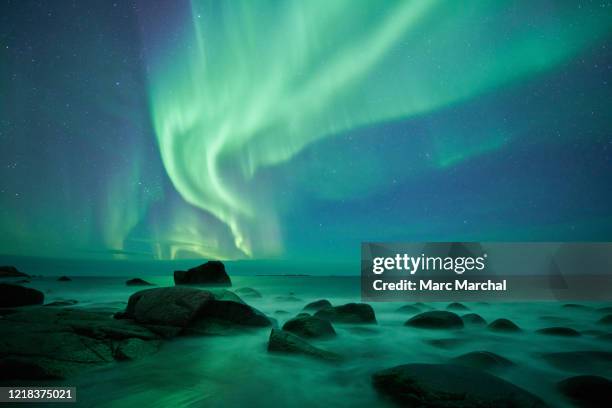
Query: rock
[[11, 272], [64, 279], [289, 298], [457, 307], [51, 343], [15, 295], [281, 341], [581, 361], [317, 305], [559, 331], [190, 310], [59, 303], [436, 320], [281, 312], [483, 360], [408, 309], [607, 320], [135, 348], [248, 292], [424, 306], [210, 273], [607, 309], [448, 385], [587, 391], [309, 327], [575, 306], [503, 325], [447, 344], [137, 282], [349, 313], [474, 319]]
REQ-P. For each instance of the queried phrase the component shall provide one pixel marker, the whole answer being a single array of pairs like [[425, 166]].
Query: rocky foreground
[[59, 340]]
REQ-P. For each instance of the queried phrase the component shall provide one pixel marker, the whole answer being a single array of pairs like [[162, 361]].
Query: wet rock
[[349, 313], [559, 331], [606, 320], [11, 272], [60, 303], [137, 282], [473, 319], [409, 309], [448, 385], [281, 341], [50, 343], [457, 307], [587, 391], [503, 325], [589, 361], [15, 295], [134, 349], [210, 273], [436, 320], [483, 360], [64, 279], [308, 326], [317, 305], [248, 293], [191, 310]]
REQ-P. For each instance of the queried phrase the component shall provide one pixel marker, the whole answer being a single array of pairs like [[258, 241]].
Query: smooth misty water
[[237, 371]]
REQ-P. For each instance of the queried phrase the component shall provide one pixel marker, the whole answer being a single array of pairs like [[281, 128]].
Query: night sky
[[294, 130]]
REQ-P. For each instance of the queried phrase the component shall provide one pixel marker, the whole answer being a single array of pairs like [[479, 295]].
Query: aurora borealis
[[299, 129]]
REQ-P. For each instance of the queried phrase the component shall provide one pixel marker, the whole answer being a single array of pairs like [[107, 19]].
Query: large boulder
[[447, 385], [435, 320], [473, 319], [308, 326], [503, 325], [178, 310], [349, 313], [11, 272], [587, 391], [210, 273], [317, 305], [15, 295], [49, 343], [281, 341]]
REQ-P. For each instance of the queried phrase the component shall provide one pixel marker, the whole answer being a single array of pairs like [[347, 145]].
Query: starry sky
[[296, 130]]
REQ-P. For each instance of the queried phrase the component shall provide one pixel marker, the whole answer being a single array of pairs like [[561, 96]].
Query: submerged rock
[[177, 310], [457, 306], [587, 391], [447, 344], [607, 309], [15, 295], [137, 282], [575, 306], [408, 309], [483, 360], [317, 305], [289, 298], [473, 318], [47, 343], [281, 341], [11, 272], [559, 331], [448, 385], [64, 279], [349, 313], [436, 320], [59, 303], [210, 273], [503, 325], [590, 361], [606, 320], [308, 326], [248, 292]]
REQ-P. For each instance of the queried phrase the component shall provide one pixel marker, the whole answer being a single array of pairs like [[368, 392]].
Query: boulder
[[317, 305], [210, 273], [483, 360], [349, 313], [15, 295], [64, 279], [449, 385], [177, 310], [281, 341], [606, 320], [308, 326], [457, 307], [50, 343], [435, 320], [11, 272], [248, 292], [559, 331], [137, 282], [473, 319], [503, 325], [408, 309], [587, 391]]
